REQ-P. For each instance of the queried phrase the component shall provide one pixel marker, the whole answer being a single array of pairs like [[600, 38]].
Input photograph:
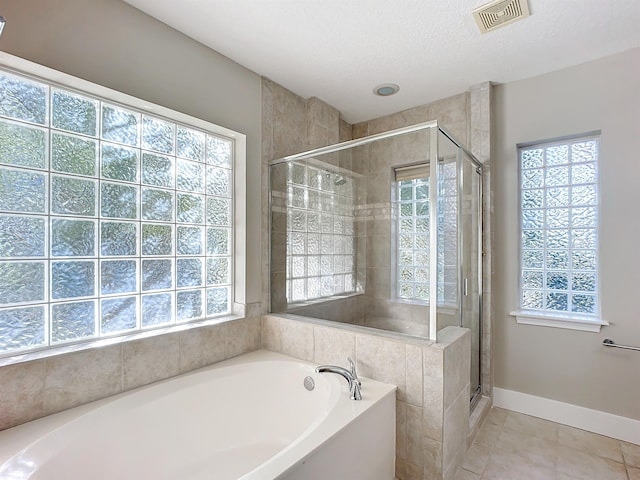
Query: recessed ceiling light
[[386, 89]]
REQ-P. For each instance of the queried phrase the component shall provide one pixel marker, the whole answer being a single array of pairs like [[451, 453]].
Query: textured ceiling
[[340, 50]]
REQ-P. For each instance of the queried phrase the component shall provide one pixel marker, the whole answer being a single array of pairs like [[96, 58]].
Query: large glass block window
[[412, 227], [320, 233], [559, 226], [111, 220]]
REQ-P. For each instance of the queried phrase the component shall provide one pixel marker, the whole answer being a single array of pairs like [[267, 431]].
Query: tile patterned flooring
[[512, 446]]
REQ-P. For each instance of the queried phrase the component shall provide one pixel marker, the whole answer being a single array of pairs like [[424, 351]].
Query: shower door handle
[[465, 290]]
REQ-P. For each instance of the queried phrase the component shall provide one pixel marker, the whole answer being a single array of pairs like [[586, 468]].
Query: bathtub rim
[[24, 436]]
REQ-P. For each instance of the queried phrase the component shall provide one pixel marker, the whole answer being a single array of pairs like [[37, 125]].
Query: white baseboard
[[615, 426]]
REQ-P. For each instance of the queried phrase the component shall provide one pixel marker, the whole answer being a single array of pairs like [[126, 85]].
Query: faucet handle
[[352, 368]]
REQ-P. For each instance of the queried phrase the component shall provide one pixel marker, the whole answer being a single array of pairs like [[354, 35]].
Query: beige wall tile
[[22, 395], [345, 131], [82, 377], [415, 439], [278, 292], [455, 432], [382, 360], [279, 250], [415, 378], [379, 251], [456, 367], [288, 120], [201, 346], [406, 470], [634, 473], [149, 360], [433, 417], [360, 130], [432, 459], [271, 333], [378, 186], [378, 282], [401, 430], [297, 339], [242, 336], [332, 346], [433, 361]]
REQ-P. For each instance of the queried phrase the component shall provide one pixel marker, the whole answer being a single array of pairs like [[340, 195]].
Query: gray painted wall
[[572, 366], [112, 44]]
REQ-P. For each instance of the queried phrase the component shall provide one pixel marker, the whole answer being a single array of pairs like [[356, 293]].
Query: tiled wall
[[37, 388], [292, 125], [432, 406]]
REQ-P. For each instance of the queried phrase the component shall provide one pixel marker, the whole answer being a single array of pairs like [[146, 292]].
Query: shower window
[[112, 220], [320, 258], [559, 227], [412, 234]]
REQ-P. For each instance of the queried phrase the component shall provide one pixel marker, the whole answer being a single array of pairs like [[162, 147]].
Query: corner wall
[[566, 365]]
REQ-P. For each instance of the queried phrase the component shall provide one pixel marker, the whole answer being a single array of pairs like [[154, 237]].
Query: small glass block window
[[320, 222], [412, 209], [111, 220], [559, 227]]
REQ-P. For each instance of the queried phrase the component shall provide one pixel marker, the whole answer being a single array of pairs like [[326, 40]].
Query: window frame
[[58, 80], [591, 322]]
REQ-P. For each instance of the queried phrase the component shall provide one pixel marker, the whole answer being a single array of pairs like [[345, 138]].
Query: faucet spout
[[354, 383]]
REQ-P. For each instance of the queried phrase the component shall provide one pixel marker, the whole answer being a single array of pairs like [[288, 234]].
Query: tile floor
[[512, 446]]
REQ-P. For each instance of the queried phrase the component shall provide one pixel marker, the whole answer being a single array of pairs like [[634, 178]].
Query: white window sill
[[558, 320], [47, 352]]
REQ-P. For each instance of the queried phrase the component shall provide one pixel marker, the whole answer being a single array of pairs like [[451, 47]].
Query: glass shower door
[[471, 264]]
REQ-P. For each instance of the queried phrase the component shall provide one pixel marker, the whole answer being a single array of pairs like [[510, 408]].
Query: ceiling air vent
[[500, 12]]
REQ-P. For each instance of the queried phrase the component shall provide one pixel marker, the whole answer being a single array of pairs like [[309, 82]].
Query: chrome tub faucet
[[349, 375]]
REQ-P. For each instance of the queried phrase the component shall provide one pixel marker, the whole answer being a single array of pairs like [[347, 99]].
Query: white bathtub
[[246, 418]]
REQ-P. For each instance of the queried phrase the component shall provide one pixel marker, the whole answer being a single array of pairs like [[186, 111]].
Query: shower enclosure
[[382, 232]]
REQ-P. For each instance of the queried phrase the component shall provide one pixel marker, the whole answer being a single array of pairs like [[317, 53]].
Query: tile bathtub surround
[[42, 387], [432, 400], [511, 445]]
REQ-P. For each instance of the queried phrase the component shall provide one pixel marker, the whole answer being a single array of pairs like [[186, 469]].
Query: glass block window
[[111, 220], [320, 233], [413, 230], [559, 226]]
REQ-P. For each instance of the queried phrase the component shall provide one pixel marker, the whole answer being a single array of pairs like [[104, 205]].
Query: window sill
[[557, 320], [47, 352]]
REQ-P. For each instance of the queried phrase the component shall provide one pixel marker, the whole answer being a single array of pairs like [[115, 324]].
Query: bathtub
[[247, 418]]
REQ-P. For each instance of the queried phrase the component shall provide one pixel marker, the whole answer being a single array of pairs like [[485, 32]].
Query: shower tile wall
[[380, 310], [290, 125], [286, 116]]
